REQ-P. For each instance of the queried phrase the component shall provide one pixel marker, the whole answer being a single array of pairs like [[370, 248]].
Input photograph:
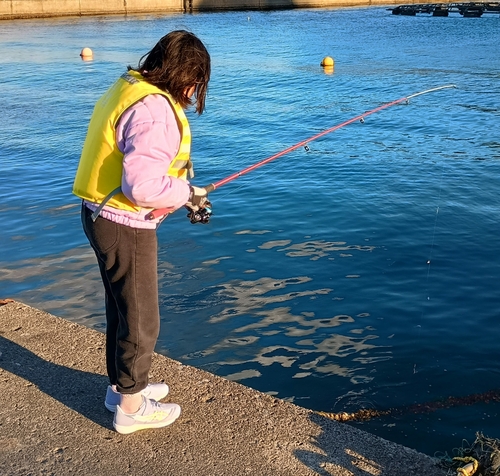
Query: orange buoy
[[86, 54]]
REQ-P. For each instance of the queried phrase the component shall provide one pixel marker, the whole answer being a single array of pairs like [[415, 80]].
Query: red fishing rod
[[213, 186]]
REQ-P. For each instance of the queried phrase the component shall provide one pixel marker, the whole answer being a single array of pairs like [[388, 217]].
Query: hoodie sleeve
[[148, 136]]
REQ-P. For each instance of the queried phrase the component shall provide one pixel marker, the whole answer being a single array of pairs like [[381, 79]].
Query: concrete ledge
[[53, 421], [24, 9]]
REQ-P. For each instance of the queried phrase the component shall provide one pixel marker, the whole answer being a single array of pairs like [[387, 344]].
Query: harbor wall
[[19, 9]]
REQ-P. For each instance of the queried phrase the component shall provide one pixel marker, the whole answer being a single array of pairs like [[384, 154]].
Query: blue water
[[358, 274]]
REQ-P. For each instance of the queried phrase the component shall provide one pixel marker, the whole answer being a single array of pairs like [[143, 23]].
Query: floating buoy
[[327, 62], [86, 54]]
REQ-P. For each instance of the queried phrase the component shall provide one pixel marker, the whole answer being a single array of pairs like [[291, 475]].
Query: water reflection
[[67, 285], [243, 296], [315, 249], [254, 324], [289, 322]]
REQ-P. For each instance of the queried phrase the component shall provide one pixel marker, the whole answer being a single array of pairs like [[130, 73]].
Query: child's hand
[[197, 198]]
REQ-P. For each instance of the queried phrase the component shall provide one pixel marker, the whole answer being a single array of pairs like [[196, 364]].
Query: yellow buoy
[[86, 54], [328, 61]]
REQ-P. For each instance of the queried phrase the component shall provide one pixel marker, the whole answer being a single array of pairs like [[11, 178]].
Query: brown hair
[[176, 63]]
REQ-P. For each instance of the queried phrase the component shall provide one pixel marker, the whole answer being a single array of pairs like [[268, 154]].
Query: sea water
[[360, 271]]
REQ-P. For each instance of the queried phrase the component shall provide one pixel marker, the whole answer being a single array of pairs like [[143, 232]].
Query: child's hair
[[176, 63]]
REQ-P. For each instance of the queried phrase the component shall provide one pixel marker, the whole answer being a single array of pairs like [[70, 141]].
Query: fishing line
[[304, 143], [365, 414], [429, 259]]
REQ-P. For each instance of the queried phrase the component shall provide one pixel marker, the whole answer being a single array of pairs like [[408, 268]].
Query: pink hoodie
[[148, 135]]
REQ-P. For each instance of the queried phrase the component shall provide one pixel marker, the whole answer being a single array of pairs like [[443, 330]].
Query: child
[[135, 159]]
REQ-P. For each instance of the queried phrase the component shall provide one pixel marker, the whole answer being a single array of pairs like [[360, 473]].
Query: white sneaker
[[151, 414], [155, 391]]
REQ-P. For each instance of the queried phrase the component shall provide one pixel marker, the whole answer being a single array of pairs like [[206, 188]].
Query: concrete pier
[[18, 9], [53, 420]]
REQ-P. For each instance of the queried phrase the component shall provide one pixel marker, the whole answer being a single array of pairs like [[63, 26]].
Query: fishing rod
[[230, 178], [203, 215]]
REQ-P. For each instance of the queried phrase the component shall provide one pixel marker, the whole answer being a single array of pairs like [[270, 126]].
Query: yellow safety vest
[[100, 169]]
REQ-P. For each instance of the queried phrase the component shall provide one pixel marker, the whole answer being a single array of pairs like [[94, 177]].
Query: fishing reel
[[202, 215]]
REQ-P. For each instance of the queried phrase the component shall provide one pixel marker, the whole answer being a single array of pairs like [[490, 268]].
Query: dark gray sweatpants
[[127, 259]]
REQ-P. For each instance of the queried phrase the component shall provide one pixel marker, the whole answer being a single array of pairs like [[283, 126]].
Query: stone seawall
[[18, 9]]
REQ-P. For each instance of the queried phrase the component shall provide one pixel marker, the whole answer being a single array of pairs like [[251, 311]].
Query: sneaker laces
[[153, 410]]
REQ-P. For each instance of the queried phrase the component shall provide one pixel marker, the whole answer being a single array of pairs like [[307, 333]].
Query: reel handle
[[159, 212]]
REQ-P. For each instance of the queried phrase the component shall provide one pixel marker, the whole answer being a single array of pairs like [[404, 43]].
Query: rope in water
[[417, 408]]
